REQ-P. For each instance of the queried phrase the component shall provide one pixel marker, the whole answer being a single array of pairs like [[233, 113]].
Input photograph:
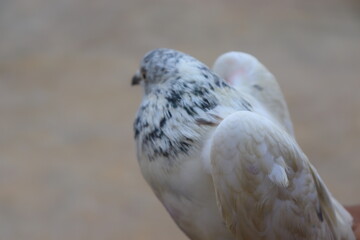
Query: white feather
[[258, 197]]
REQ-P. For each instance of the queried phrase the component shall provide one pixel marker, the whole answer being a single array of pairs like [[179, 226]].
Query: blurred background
[[67, 159]]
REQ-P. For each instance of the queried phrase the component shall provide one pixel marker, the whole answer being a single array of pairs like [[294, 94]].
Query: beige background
[[67, 162]]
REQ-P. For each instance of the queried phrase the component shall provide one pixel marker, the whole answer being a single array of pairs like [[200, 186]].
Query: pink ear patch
[[236, 77]]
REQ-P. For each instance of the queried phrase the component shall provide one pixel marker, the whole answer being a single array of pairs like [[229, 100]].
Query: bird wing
[[265, 186], [246, 73]]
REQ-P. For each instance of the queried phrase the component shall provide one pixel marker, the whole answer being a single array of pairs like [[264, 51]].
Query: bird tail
[[339, 220], [345, 220]]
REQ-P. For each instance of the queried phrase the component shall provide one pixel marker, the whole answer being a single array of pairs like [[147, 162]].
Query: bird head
[[162, 66]]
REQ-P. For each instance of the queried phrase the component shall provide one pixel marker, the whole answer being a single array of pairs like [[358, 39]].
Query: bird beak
[[136, 79]]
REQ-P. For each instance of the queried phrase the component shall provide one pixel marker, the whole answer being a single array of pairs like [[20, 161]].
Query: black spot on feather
[[211, 87], [258, 87], [200, 91], [174, 98], [246, 105], [205, 104], [137, 127], [155, 134], [184, 146], [320, 214], [162, 122], [190, 110], [217, 81]]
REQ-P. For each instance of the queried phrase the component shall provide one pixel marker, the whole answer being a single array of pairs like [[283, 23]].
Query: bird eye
[[143, 73]]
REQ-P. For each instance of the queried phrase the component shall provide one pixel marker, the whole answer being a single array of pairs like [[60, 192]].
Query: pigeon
[[218, 150]]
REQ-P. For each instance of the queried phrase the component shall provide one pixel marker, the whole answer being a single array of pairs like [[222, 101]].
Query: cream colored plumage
[[263, 181], [270, 168], [222, 158]]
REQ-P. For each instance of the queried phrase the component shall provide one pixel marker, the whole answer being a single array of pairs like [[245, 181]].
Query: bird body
[[219, 153]]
